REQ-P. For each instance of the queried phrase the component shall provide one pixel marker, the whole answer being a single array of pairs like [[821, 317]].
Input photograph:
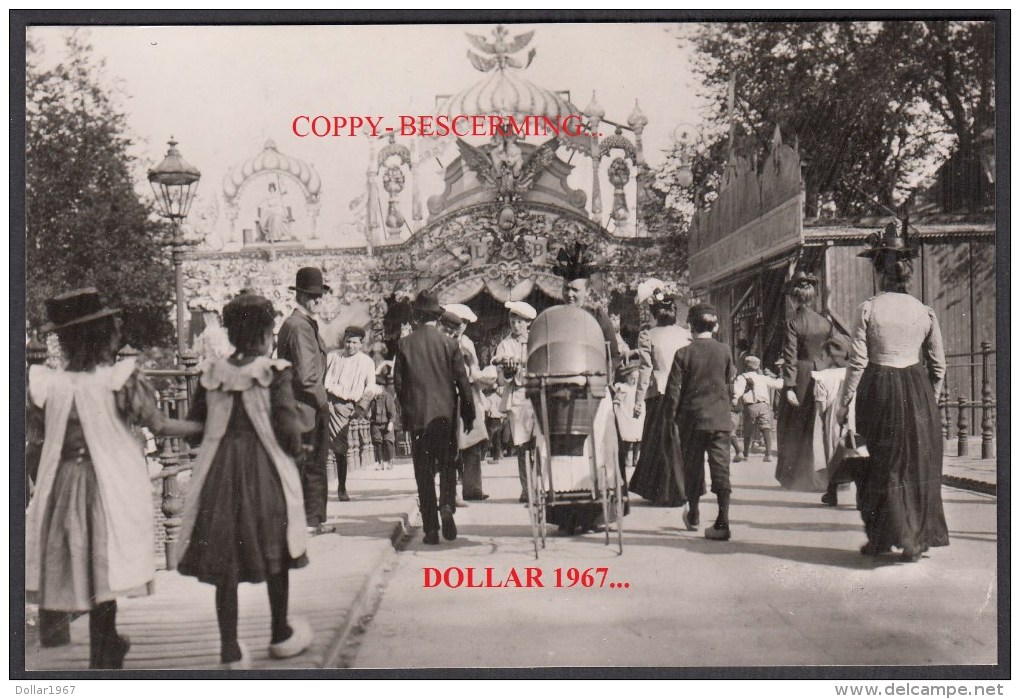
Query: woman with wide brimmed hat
[[93, 492], [900, 493]]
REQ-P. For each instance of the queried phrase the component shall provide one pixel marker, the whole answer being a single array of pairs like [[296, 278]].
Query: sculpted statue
[[274, 216]]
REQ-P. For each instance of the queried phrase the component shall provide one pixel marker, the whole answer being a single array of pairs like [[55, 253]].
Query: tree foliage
[[873, 105], [86, 225], [663, 216]]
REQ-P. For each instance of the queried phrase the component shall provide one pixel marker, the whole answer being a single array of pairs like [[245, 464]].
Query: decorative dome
[[271, 159], [504, 92], [594, 110], [637, 119]]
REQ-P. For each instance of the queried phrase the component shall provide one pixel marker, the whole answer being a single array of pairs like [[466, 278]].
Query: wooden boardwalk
[[175, 629]]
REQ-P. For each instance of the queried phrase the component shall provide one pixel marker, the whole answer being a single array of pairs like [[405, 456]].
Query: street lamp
[[174, 182]]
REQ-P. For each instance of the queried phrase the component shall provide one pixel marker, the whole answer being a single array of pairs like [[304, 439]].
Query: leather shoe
[[431, 538], [870, 549], [321, 529], [910, 555], [523, 498], [242, 663], [690, 520], [449, 526], [118, 654], [479, 496], [343, 497], [830, 499], [718, 532]]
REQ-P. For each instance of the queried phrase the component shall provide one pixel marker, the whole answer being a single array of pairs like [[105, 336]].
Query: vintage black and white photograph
[[476, 343]]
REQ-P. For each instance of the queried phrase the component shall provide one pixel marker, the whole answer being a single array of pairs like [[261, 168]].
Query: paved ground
[[789, 589]]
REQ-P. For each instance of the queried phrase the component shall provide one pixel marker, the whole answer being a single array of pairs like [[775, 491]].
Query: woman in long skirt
[[654, 476], [900, 492], [801, 456]]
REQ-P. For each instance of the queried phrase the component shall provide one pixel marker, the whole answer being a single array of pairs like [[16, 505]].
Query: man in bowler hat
[[431, 382], [299, 343]]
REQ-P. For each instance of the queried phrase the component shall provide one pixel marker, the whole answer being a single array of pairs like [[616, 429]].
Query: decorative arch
[[238, 181]]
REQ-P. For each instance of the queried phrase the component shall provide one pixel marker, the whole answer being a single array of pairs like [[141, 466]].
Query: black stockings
[[106, 648], [226, 614]]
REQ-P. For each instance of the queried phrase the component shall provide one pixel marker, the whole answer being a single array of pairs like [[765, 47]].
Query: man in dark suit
[[300, 344], [429, 377], [698, 394]]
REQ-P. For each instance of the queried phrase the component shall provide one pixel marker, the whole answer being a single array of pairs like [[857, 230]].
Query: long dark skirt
[[801, 461], [900, 491], [240, 532], [654, 476]]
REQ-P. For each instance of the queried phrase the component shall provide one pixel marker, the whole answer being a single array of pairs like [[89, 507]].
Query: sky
[[223, 91]]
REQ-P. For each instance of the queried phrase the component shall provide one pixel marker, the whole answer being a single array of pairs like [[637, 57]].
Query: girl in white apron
[[89, 526]]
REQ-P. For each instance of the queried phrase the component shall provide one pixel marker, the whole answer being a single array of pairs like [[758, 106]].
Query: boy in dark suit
[[431, 381], [698, 395]]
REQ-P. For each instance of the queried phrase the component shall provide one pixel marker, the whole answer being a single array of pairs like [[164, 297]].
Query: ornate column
[[394, 157], [416, 212], [638, 121], [374, 233], [595, 112], [619, 176]]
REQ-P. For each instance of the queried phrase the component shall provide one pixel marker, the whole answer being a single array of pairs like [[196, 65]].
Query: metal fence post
[[987, 424], [961, 426], [173, 503]]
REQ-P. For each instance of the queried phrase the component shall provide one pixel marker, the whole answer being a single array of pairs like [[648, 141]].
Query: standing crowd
[[266, 425]]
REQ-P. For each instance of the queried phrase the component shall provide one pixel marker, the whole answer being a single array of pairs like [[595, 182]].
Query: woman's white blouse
[[895, 330]]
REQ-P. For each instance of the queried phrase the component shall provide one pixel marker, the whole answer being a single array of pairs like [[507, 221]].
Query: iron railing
[[963, 406]]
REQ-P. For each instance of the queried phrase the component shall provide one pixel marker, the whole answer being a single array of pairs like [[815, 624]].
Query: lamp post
[[174, 182]]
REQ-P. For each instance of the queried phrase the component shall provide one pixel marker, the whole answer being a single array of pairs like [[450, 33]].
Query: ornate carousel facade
[[490, 235]]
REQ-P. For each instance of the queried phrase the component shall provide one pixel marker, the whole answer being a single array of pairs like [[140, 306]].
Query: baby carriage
[[573, 475]]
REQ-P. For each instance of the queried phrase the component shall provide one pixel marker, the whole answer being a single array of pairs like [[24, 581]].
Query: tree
[[662, 217], [863, 99], [956, 70], [86, 225]]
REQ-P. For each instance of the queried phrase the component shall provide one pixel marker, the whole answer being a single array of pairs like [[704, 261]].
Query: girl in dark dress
[[897, 366], [244, 520]]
